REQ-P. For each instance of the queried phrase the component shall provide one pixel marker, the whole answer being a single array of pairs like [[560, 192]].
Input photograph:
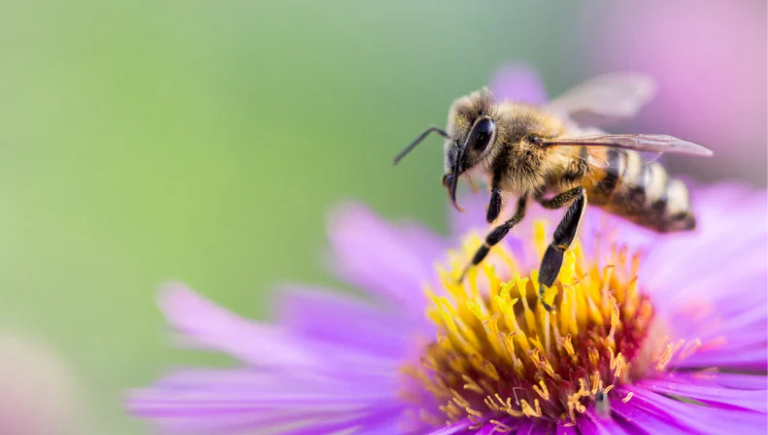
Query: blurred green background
[[205, 141]]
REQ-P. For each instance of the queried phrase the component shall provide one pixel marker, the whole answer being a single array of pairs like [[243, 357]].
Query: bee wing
[[597, 159], [618, 95], [653, 143]]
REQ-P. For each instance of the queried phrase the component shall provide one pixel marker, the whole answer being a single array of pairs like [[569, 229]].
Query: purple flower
[[671, 341], [516, 81], [650, 334]]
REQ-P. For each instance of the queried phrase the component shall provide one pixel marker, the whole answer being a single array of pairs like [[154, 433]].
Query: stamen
[[629, 396], [501, 427], [530, 412], [499, 353], [666, 356], [542, 391], [707, 373]]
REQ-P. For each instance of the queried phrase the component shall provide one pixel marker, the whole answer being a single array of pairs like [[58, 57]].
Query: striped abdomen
[[642, 193]]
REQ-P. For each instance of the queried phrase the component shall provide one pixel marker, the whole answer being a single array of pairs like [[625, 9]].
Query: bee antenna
[[418, 140]]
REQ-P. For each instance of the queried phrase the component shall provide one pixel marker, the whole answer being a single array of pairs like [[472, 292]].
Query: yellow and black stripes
[[641, 192]]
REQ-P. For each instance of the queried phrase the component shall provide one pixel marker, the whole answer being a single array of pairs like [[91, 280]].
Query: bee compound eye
[[481, 134], [535, 140], [447, 178]]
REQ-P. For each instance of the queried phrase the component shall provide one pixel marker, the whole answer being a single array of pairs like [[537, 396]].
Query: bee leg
[[561, 199], [564, 234], [496, 235], [494, 206]]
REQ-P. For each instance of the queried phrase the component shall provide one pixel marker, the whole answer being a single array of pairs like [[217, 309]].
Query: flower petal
[[344, 321], [752, 360], [638, 420], [562, 429], [701, 419], [453, 429], [590, 423], [705, 392], [739, 381], [375, 256], [518, 82], [208, 326], [721, 245], [212, 327], [220, 405]]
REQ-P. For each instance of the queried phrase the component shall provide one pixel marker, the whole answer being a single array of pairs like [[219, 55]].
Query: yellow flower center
[[499, 353]]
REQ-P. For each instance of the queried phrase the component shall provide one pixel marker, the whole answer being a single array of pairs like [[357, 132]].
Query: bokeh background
[[205, 141]]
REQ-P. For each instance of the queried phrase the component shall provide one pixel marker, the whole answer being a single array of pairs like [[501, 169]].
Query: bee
[[541, 153]]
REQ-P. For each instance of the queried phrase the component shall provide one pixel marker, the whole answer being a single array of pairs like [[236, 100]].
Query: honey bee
[[530, 151]]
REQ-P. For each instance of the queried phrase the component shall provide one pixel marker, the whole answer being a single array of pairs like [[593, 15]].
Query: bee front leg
[[497, 234], [564, 234], [494, 206]]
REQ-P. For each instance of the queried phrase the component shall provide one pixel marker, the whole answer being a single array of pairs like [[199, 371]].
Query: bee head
[[471, 133]]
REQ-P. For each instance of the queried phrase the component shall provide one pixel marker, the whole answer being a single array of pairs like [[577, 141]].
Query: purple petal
[[453, 429], [755, 400], [590, 424], [377, 257], [344, 321], [562, 429], [518, 82], [374, 421], [721, 240], [740, 381], [642, 421], [487, 429], [697, 418], [232, 381], [752, 360], [212, 327], [208, 326], [206, 402], [526, 428]]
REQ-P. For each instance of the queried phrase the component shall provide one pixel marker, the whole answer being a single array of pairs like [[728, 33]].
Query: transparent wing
[[598, 158], [654, 143], [619, 95]]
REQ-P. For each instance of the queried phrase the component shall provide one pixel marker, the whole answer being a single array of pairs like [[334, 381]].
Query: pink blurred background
[[709, 59]]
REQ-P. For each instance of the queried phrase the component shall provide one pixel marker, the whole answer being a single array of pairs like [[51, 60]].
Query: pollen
[[499, 353]]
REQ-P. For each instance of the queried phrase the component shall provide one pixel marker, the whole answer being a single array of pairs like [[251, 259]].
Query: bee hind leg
[[561, 199], [496, 235], [564, 234]]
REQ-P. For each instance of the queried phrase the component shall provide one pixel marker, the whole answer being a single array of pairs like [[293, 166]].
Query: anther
[[629, 396]]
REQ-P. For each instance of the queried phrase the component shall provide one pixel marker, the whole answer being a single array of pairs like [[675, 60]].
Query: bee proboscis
[[531, 151]]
